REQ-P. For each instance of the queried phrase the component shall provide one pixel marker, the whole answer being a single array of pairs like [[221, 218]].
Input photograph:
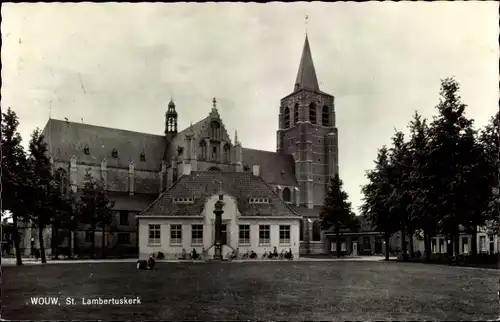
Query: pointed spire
[[306, 76], [236, 137], [214, 102]]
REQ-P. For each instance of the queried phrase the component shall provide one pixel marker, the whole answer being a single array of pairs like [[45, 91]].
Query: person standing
[[32, 246]]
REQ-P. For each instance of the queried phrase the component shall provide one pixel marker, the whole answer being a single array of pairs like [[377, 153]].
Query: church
[[164, 187]]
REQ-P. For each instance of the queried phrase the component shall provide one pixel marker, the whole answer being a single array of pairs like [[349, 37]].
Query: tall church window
[[316, 231], [301, 230], [203, 147], [215, 127], [296, 114], [215, 152], [287, 118], [312, 113], [325, 119], [60, 178], [287, 195], [227, 155]]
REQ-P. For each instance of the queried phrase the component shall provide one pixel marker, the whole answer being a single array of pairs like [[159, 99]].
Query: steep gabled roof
[[201, 185], [306, 75], [66, 139], [197, 130], [275, 168]]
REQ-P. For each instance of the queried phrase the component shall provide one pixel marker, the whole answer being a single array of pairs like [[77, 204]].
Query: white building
[[255, 217]]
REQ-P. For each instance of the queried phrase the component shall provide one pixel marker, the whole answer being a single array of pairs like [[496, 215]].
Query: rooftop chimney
[[256, 170]]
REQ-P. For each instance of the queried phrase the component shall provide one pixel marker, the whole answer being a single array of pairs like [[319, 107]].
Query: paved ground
[[31, 261], [299, 290]]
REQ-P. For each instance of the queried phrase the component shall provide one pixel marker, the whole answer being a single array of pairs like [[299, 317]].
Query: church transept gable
[[213, 128]]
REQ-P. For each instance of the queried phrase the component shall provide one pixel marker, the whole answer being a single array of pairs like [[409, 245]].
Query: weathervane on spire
[[214, 101], [307, 17]]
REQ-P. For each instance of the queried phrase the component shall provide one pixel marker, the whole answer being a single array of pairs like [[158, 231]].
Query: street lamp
[[218, 211]]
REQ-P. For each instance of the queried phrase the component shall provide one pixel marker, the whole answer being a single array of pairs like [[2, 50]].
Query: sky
[[118, 65]]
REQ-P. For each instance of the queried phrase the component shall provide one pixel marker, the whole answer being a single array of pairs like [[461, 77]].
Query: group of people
[[275, 255], [193, 254]]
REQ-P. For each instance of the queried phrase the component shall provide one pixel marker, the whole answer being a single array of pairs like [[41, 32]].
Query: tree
[[490, 140], [450, 144], [95, 207], [336, 212], [14, 185], [376, 199], [400, 197], [103, 209], [46, 201], [422, 210]]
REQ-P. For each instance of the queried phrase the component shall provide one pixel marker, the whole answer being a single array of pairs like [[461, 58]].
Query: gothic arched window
[[227, 155], [203, 148], [296, 114], [287, 118], [215, 152], [86, 149], [61, 179], [287, 195], [215, 130], [312, 113], [316, 231], [325, 116]]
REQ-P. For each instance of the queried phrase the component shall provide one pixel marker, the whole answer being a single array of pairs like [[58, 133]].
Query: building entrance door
[[378, 246], [355, 248]]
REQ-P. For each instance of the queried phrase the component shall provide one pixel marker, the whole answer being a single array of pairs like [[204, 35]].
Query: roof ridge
[[102, 127], [279, 197], [163, 193]]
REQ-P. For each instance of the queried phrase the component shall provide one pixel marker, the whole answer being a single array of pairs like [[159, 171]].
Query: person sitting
[[183, 254], [151, 263], [194, 254], [275, 252], [253, 255], [142, 264]]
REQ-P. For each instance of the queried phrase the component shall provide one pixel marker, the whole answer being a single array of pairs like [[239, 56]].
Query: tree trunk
[[75, 242], [70, 232], [103, 242], [15, 236], [92, 249], [338, 242], [42, 248], [412, 251], [427, 246], [456, 242], [473, 243], [387, 248], [403, 244], [55, 242]]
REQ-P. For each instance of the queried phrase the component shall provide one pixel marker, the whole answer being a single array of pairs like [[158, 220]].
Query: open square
[[313, 290]]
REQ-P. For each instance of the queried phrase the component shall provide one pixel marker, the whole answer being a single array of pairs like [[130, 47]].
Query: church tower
[[171, 121], [307, 131]]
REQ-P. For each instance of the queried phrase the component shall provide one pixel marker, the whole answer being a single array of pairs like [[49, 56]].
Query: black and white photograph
[[250, 161]]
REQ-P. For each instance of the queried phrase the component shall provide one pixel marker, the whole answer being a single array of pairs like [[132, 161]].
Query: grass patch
[[255, 291]]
